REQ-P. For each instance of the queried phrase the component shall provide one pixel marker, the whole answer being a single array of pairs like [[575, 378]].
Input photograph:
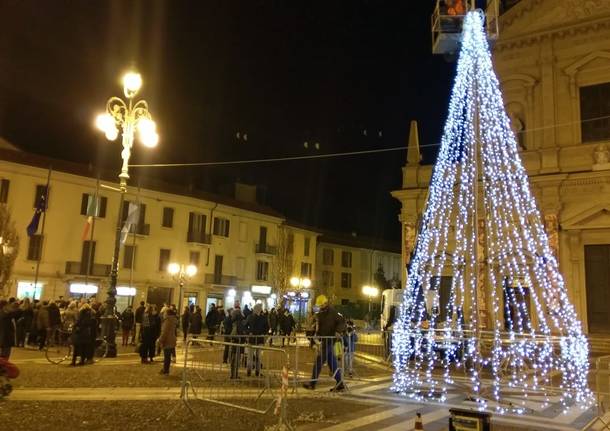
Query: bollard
[[418, 422]]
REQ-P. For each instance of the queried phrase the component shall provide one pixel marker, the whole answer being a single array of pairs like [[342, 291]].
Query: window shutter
[[4, 190], [142, 215], [102, 208], [124, 211], [83, 204]]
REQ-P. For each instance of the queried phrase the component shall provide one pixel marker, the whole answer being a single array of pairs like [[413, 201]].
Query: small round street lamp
[[181, 274], [371, 292], [126, 116]]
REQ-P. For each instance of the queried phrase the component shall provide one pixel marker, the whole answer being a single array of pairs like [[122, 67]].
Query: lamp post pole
[[126, 116]]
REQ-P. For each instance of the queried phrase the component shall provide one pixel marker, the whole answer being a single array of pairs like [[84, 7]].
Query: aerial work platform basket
[[448, 17]]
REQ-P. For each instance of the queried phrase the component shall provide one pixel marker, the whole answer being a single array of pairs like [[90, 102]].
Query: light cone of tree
[[505, 324]]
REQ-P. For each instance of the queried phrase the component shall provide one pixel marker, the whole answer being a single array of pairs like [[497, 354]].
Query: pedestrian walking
[[329, 324]]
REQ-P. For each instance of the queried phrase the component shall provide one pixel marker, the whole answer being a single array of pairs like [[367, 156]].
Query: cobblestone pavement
[[121, 393]]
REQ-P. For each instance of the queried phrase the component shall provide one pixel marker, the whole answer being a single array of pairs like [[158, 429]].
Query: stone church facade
[[553, 61]]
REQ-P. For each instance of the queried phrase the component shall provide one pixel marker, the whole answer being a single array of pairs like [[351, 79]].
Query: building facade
[[345, 264], [553, 61], [231, 243]]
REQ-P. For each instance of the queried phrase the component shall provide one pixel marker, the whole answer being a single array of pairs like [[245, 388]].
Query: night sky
[[335, 73]]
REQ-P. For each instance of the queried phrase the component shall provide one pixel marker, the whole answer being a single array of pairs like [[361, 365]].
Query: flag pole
[[93, 217], [133, 250], [44, 219]]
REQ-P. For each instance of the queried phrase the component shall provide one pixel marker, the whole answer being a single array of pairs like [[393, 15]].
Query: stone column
[[409, 231], [482, 293], [575, 283], [551, 225]]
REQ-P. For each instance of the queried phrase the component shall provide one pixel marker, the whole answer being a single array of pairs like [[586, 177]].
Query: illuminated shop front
[[298, 304], [26, 289], [124, 297], [82, 290]]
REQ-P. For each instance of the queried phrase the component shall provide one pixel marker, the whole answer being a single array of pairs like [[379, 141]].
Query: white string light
[[523, 347]]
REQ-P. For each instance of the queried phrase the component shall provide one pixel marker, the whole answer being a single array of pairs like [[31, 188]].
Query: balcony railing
[[140, 229], [223, 280], [199, 237], [265, 249], [95, 269]]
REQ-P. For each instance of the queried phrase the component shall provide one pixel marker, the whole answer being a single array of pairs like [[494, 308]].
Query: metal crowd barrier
[[250, 377], [601, 376]]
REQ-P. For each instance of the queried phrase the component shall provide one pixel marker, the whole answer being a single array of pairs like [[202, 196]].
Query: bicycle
[[59, 351], [63, 349]]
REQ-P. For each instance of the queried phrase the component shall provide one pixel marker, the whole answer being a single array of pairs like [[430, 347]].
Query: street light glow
[[294, 281], [104, 122], [370, 291], [112, 133], [173, 268], [306, 283], [191, 270], [132, 82]]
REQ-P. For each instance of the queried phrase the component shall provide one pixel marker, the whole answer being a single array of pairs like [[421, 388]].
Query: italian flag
[[91, 211]]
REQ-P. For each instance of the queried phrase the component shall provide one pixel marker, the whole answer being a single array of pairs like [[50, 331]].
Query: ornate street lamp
[[127, 116], [181, 274]]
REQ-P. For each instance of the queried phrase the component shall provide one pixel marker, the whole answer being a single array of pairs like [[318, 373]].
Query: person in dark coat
[[138, 319], [196, 322], [227, 325], [9, 313], [287, 324], [54, 322], [24, 323], [257, 326], [211, 321], [167, 339], [238, 329], [185, 321], [82, 335], [127, 322], [329, 325], [147, 348], [156, 324]]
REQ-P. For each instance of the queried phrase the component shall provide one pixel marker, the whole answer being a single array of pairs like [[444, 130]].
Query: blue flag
[[41, 205]]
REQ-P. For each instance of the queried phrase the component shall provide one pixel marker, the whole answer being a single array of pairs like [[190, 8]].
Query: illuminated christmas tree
[[502, 322]]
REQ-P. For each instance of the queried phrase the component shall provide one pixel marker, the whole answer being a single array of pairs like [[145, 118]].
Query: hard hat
[[321, 300]]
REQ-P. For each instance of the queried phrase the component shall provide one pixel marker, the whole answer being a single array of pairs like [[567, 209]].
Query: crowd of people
[[25, 323]]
